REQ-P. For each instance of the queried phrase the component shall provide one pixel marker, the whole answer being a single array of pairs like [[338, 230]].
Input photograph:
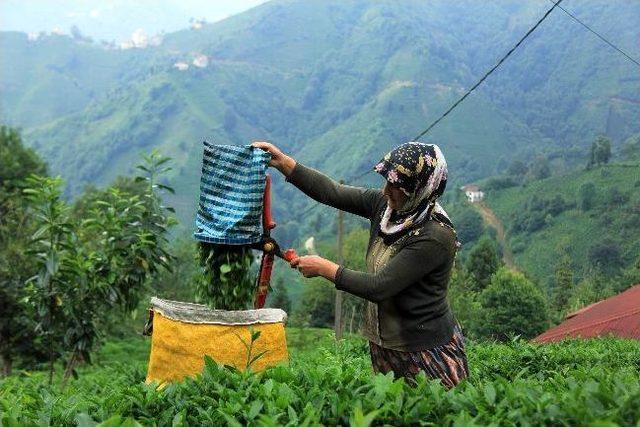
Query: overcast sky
[[114, 20]]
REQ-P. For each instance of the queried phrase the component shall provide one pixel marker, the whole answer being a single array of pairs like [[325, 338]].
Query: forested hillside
[[336, 83], [588, 219]]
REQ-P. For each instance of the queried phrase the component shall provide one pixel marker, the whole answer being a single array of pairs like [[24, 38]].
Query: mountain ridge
[[321, 80]]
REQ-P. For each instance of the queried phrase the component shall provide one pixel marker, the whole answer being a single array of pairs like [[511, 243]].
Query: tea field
[[572, 383]]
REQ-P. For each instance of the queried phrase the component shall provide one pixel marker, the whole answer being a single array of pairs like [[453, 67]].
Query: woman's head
[[416, 171], [396, 198]]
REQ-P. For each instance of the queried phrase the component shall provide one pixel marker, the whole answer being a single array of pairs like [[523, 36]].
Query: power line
[[459, 101], [488, 73], [575, 18]]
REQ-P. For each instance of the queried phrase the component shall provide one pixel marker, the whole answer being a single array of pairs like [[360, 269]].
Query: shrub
[[512, 305]]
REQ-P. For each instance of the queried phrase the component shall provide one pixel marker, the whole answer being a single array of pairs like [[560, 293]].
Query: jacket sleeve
[[355, 200], [408, 266]]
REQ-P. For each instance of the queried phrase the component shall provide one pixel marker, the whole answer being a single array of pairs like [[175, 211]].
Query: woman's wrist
[[287, 165], [330, 270]]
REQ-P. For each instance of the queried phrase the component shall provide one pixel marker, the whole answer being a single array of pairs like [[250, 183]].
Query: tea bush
[[593, 382]]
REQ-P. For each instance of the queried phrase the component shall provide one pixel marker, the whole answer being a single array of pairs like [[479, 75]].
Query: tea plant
[[593, 382]]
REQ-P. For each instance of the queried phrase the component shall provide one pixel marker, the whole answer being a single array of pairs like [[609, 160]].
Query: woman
[[411, 251]]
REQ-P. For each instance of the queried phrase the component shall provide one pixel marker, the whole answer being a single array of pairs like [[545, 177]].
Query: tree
[[590, 289], [631, 148], [540, 168], [17, 335], [606, 256], [464, 301], [563, 283], [281, 297], [517, 168], [469, 225], [87, 266], [318, 307], [512, 305], [53, 246], [600, 151], [587, 196], [482, 263]]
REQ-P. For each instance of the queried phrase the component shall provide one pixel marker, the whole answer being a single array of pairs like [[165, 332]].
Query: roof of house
[[618, 316], [470, 187]]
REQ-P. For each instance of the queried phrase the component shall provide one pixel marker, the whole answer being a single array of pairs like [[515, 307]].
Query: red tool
[[270, 249]]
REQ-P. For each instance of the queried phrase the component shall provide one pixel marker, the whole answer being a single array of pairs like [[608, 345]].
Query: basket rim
[[198, 313]]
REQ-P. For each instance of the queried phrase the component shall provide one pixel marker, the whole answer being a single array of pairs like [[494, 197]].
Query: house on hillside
[[473, 193], [617, 316]]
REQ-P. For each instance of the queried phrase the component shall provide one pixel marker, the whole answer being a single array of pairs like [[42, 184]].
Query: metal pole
[[337, 325]]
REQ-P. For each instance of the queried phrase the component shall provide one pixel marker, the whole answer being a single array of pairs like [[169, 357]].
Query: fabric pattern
[[420, 171], [231, 194], [447, 362]]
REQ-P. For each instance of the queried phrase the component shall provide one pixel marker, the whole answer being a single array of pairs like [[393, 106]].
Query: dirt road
[[493, 221]]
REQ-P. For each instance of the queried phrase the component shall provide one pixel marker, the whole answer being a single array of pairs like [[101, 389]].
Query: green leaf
[[180, 419], [257, 356], [490, 393], [231, 421], [255, 409], [84, 420], [361, 420]]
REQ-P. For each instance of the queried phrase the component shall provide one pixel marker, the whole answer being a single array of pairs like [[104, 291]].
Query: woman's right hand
[[279, 160]]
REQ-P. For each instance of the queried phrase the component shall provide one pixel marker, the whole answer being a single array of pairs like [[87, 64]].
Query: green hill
[[591, 216], [335, 83]]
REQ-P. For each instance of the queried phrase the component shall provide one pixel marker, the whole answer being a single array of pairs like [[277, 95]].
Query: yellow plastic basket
[[183, 333]]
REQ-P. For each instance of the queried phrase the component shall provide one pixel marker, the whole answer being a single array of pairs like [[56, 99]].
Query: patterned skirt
[[447, 362]]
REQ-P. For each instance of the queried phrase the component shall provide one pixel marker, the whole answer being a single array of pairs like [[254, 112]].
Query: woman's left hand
[[313, 265]]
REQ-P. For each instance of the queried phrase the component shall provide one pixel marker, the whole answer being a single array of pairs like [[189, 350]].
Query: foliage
[[317, 308], [17, 162], [512, 305], [51, 291], [17, 325], [464, 301], [483, 261], [563, 285], [178, 284], [570, 383], [605, 255], [587, 196], [469, 226], [500, 183], [280, 297], [84, 266], [631, 148], [540, 168], [225, 281], [537, 213], [600, 151]]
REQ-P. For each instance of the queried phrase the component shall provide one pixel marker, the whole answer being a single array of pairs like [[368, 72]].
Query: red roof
[[618, 316]]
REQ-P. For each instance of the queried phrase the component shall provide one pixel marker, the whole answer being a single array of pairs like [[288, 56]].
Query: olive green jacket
[[407, 280]]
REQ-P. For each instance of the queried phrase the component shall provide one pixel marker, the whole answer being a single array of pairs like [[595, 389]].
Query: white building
[[473, 193], [201, 61], [182, 66]]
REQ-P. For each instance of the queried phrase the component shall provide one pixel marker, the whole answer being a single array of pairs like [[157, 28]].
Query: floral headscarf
[[420, 171]]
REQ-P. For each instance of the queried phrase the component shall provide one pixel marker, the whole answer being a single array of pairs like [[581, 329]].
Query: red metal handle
[[289, 255], [267, 220], [266, 266]]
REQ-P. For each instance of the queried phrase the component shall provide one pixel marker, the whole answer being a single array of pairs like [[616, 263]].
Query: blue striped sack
[[231, 194]]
